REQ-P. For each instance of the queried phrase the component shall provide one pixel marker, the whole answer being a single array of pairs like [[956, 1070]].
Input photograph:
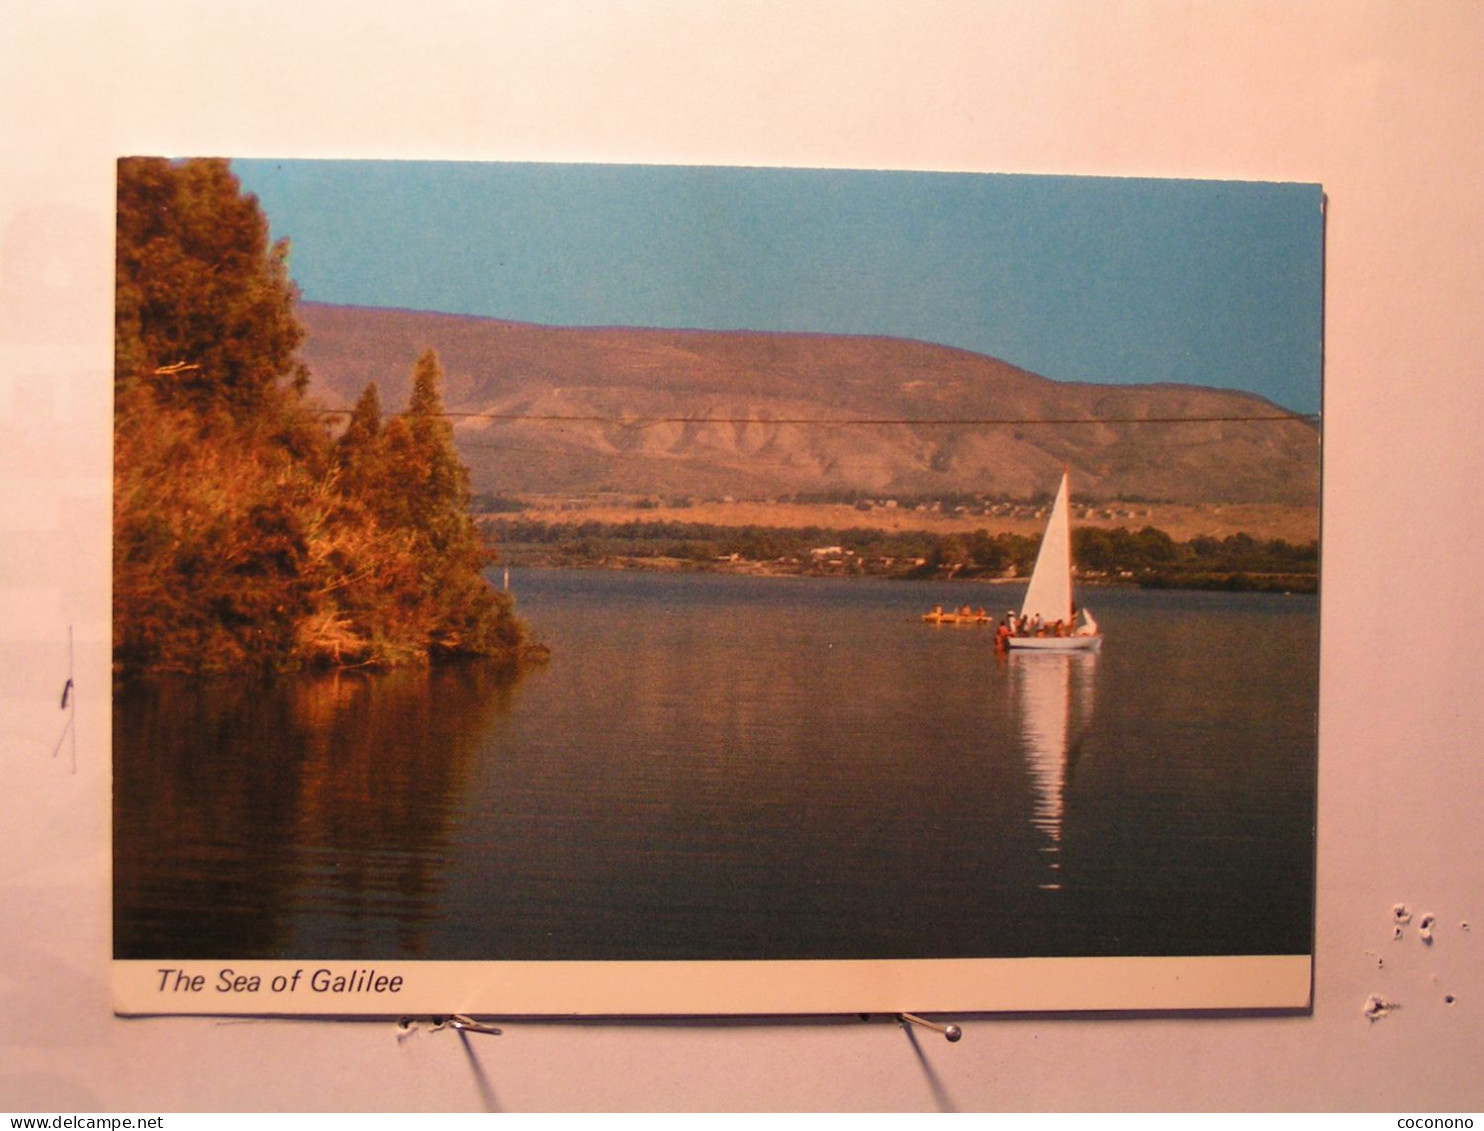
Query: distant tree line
[[861, 499], [245, 535], [1148, 557], [1237, 562]]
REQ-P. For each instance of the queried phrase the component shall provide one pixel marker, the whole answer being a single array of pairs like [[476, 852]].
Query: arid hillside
[[708, 414]]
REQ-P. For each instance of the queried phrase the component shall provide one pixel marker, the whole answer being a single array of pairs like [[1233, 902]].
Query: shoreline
[[854, 540], [1215, 581], [1182, 521]]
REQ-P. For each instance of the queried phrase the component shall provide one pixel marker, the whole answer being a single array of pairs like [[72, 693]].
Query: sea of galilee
[[717, 766]]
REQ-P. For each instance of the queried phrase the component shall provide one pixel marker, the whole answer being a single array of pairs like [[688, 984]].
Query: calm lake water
[[732, 767]]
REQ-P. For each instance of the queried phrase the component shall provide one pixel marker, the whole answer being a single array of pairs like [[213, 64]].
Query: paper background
[[1379, 102]]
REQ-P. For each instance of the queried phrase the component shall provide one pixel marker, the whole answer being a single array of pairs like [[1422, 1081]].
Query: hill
[[677, 413]]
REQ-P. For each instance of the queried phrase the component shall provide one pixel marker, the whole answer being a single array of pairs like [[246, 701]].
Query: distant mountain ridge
[[734, 412]]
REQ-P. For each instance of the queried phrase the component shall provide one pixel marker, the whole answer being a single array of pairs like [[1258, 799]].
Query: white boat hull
[[1055, 643]]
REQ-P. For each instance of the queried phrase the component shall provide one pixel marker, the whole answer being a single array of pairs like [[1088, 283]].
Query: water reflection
[[1054, 697], [308, 814], [732, 767]]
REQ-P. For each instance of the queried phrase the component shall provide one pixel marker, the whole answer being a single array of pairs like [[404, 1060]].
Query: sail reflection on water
[[1053, 696]]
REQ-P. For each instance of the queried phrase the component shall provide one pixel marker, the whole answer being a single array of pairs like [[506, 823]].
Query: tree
[[469, 615], [438, 491], [215, 462], [243, 537], [358, 452], [407, 477], [204, 305]]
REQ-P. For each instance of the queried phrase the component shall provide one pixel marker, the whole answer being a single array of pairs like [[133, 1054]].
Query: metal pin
[[950, 1032], [469, 1025]]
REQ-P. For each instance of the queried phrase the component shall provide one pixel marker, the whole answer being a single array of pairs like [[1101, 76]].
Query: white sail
[[1050, 592]]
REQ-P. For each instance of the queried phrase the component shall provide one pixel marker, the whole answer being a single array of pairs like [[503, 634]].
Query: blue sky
[[1075, 278]]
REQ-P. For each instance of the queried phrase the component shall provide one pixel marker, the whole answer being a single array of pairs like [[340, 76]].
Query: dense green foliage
[[203, 304], [244, 536], [1147, 557]]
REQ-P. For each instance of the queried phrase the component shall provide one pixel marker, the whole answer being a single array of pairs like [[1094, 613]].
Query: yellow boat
[[938, 616], [965, 615]]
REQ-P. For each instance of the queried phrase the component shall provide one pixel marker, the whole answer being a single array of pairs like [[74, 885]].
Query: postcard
[[604, 590]]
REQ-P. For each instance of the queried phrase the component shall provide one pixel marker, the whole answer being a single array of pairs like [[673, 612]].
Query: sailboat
[[1049, 598]]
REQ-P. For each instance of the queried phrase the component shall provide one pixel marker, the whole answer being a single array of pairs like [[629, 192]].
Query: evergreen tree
[[358, 452], [439, 494], [433, 497], [204, 305], [365, 423]]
